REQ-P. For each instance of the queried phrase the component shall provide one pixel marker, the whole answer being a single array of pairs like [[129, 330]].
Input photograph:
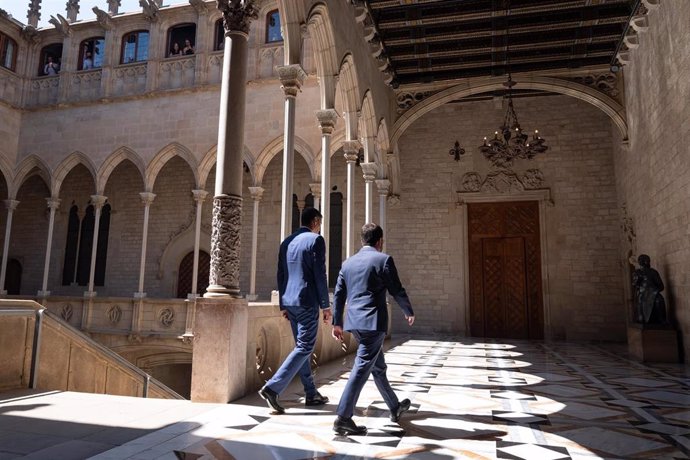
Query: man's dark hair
[[371, 234], [308, 216]]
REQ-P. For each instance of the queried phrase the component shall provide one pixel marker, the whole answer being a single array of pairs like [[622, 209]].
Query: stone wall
[[653, 169], [582, 228]]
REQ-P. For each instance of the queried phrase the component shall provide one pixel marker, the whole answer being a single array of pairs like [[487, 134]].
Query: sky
[[18, 8]]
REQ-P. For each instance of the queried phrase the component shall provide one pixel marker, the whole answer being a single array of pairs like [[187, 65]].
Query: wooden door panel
[[494, 299]]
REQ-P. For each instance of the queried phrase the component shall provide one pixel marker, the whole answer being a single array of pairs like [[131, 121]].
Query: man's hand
[[285, 314], [337, 333], [410, 320], [327, 315]]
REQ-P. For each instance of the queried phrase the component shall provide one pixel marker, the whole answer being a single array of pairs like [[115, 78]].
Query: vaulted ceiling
[[429, 41]]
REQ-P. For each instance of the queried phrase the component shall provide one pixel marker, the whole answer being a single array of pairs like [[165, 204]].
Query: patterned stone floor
[[508, 400]]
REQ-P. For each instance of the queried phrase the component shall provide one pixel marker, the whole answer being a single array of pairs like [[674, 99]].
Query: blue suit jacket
[[362, 284], [302, 270]]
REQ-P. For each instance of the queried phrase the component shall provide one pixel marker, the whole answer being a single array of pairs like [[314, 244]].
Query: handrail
[[8, 307]]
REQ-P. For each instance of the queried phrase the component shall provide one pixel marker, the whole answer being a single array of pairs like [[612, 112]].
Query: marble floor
[[470, 399]]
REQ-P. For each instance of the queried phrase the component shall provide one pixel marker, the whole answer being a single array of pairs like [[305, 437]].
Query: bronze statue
[[650, 305]]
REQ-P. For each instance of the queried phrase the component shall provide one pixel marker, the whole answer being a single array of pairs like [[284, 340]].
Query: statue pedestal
[[653, 343]]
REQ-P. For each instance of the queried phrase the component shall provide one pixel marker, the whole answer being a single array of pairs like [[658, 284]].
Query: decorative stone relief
[[114, 314], [66, 312], [371, 36], [225, 242], [502, 181], [237, 15], [407, 99], [606, 83], [30, 34], [130, 71], [199, 6], [261, 351], [166, 316], [638, 24]]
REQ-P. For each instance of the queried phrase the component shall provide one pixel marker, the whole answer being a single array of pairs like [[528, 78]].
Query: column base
[[42, 294], [90, 294], [252, 297], [191, 296], [218, 291], [139, 295], [219, 360]]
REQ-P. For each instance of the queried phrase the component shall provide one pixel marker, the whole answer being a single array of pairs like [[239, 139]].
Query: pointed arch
[[320, 29], [6, 169], [66, 166], [114, 159], [209, 161], [348, 83], [383, 146], [276, 146], [603, 102], [162, 157], [23, 171]]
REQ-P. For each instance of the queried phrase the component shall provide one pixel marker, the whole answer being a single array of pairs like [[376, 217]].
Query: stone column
[[11, 205], [146, 199], [97, 201], [221, 322], [34, 13], [291, 79], [227, 202], [53, 205], [199, 197], [384, 186], [369, 172], [327, 120], [315, 189], [257, 194], [351, 149], [113, 6], [72, 10]]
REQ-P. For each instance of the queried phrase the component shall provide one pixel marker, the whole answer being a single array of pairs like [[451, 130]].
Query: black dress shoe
[[317, 400], [403, 406], [271, 397], [345, 427]]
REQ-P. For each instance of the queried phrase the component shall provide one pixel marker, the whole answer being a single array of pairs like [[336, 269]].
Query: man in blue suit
[[362, 284], [303, 289]]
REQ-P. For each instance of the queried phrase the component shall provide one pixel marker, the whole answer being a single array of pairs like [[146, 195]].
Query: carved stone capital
[[98, 201], [224, 278], [53, 203], [237, 15], [352, 148], [199, 6], [315, 188], [199, 196], [257, 193], [369, 171], [291, 78], [383, 186], [11, 205], [327, 120], [147, 198], [30, 34]]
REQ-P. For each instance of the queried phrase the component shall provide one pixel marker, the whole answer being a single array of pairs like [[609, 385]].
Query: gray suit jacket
[[362, 283]]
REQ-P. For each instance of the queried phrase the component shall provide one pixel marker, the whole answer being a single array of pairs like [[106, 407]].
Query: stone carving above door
[[502, 181]]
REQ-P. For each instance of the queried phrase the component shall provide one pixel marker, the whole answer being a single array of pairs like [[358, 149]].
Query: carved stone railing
[[176, 72], [43, 91], [10, 87], [85, 85], [129, 79], [215, 67]]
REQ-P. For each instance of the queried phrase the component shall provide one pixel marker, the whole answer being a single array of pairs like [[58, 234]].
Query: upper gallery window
[[273, 27], [181, 40], [8, 52], [135, 47], [51, 60], [91, 53]]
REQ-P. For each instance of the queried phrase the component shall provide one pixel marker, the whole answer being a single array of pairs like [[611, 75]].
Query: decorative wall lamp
[[456, 151]]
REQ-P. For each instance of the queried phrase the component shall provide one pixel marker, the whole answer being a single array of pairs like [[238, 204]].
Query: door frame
[[543, 197]]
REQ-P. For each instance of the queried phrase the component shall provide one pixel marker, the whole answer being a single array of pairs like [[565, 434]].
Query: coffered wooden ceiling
[[440, 40]]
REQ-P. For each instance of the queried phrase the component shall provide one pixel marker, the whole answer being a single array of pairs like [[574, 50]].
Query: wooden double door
[[505, 270]]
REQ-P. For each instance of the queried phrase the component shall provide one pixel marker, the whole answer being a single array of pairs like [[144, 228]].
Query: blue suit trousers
[[369, 360], [305, 326]]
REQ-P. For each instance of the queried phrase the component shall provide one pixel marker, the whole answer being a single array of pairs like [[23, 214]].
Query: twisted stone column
[[291, 78], [53, 205]]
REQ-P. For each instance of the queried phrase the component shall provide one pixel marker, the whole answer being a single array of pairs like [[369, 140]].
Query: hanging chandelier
[[510, 142]]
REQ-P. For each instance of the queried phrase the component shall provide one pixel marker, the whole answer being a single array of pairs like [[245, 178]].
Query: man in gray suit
[[362, 284]]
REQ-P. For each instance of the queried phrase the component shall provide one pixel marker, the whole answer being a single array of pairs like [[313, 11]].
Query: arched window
[[8, 52], [219, 41], [135, 47], [181, 40], [335, 232], [273, 27], [51, 60], [91, 53], [71, 246]]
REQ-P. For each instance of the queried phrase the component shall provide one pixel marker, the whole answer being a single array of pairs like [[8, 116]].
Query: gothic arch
[[113, 160], [321, 30], [276, 146], [23, 171], [5, 169], [348, 84], [162, 157], [209, 161], [383, 147], [606, 104], [367, 124], [66, 166]]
